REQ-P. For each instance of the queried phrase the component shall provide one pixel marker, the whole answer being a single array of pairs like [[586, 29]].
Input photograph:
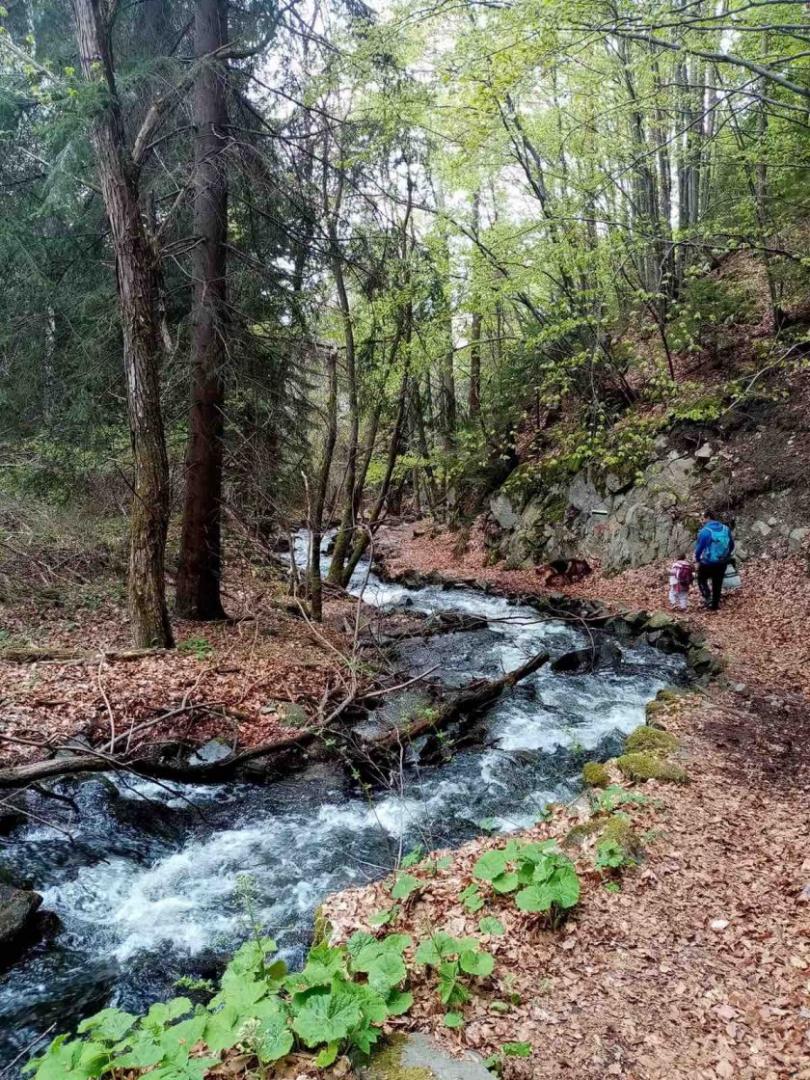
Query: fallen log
[[90, 761], [432, 626], [36, 654], [475, 697]]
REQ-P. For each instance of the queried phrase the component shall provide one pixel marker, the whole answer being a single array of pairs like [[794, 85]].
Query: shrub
[[619, 845], [543, 878], [335, 1005]]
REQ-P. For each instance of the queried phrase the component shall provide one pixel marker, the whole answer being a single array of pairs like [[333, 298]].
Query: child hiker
[[680, 578]]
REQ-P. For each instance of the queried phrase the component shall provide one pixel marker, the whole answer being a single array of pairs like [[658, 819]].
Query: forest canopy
[[297, 263]]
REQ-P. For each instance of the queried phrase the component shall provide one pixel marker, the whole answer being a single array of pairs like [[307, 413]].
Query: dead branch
[[468, 702]]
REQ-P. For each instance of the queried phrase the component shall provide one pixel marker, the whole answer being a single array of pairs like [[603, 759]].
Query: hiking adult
[[713, 549]]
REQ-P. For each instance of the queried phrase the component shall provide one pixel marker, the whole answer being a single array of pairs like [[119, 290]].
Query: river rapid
[[152, 882]]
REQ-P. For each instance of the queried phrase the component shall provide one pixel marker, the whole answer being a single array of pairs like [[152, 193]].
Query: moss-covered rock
[[646, 739], [641, 766], [420, 1057], [619, 830], [580, 833], [595, 774], [388, 1065]]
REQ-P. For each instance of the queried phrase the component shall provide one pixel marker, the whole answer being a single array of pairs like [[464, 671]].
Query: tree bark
[[474, 396], [351, 505], [316, 515], [200, 571], [136, 266]]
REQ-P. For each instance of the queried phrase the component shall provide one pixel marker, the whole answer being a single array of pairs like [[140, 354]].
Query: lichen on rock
[[388, 1065]]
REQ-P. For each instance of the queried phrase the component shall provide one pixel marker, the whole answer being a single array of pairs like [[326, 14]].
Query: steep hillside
[[730, 432]]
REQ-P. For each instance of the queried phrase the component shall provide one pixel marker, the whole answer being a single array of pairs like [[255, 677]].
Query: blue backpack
[[720, 546]]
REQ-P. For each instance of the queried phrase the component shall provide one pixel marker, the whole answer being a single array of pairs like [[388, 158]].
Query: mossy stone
[[388, 1065], [419, 1057], [619, 830], [580, 833], [595, 774], [646, 739], [641, 766]]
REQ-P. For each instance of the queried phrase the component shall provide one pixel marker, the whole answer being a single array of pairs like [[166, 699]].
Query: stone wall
[[618, 525]]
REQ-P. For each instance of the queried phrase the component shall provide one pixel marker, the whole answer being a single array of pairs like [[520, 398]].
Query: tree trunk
[[474, 396], [316, 512], [137, 300], [198, 578], [351, 507]]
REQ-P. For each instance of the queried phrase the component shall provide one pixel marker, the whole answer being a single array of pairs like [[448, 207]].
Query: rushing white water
[[165, 879]]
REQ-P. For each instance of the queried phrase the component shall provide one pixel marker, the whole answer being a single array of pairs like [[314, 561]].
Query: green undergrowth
[[335, 1005]]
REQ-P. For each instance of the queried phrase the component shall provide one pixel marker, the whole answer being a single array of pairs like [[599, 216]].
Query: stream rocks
[[604, 653], [18, 917]]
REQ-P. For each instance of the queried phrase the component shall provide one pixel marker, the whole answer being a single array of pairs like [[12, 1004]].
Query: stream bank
[[699, 967], [162, 880]]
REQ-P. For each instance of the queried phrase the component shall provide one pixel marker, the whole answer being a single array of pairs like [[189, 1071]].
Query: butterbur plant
[[542, 878], [454, 961], [334, 1006]]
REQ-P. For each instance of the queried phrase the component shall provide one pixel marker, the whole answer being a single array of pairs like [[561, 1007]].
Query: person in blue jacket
[[713, 549]]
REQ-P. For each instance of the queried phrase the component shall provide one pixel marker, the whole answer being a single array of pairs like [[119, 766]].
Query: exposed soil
[[700, 966]]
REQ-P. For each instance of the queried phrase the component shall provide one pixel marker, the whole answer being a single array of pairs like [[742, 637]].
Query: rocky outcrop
[[616, 523]]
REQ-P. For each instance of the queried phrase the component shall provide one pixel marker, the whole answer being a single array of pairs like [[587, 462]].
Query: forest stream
[[152, 882]]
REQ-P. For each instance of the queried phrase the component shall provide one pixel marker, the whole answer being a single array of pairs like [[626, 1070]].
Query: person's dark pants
[[710, 582]]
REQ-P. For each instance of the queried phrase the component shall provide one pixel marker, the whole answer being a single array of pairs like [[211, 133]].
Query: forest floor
[[699, 967], [250, 680]]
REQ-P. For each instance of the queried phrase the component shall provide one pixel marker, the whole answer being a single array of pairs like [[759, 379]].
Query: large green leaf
[[326, 1016], [223, 1027], [476, 962], [404, 885], [109, 1024], [490, 865], [399, 1002], [273, 1038]]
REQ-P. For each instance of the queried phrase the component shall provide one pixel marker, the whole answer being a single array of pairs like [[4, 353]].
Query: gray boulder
[[604, 654], [18, 909]]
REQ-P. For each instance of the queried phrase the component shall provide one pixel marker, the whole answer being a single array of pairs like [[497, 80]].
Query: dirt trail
[[700, 967]]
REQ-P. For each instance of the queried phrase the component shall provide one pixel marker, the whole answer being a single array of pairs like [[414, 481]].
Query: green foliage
[[608, 800], [197, 646], [619, 846], [517, 1049], [454, 960], [490, 925], [404, 885], [334, 1005], [543, 878]]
